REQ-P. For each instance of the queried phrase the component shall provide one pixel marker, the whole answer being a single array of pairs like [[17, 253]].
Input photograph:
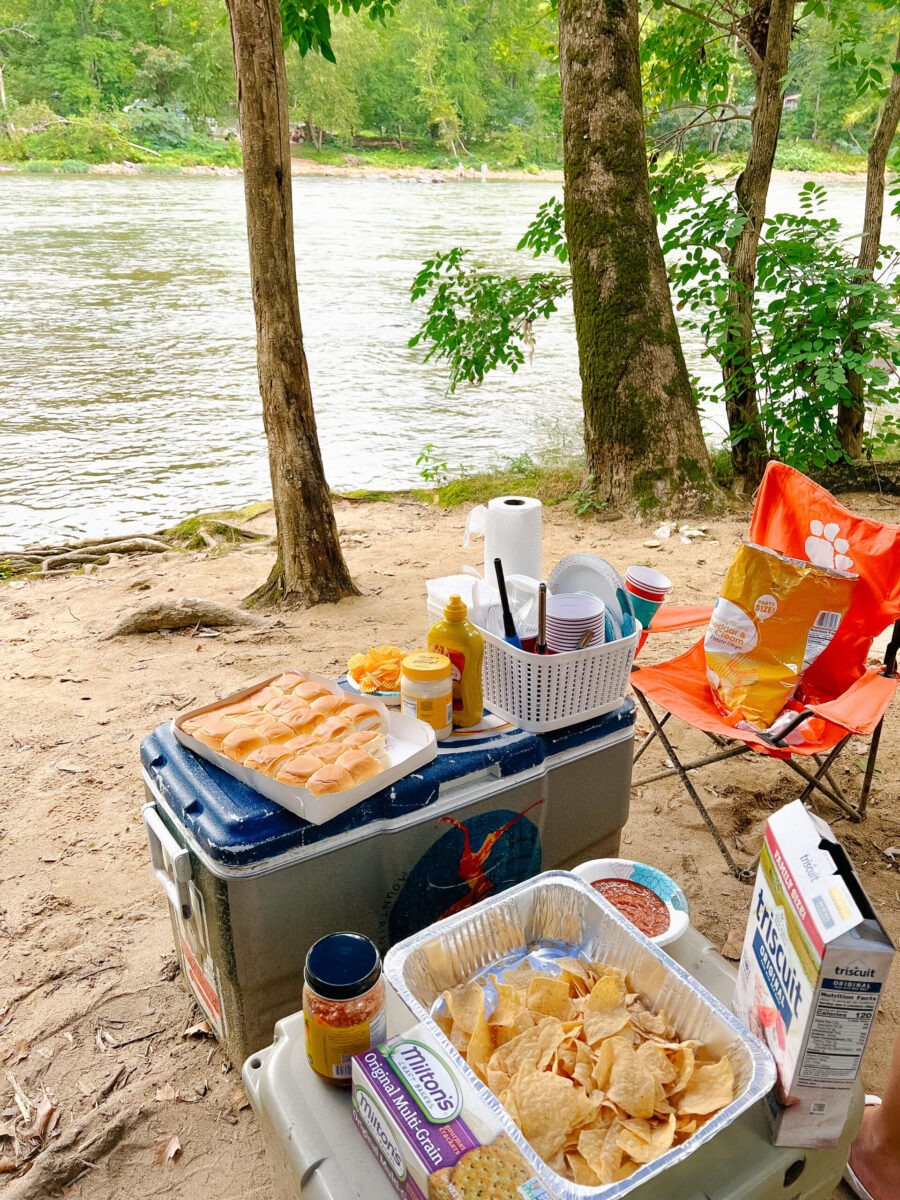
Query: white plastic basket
[[545, 692]]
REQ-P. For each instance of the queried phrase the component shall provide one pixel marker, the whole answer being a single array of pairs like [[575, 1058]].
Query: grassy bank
[[155, 144]]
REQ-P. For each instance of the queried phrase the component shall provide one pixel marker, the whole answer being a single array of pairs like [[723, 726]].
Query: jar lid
[[425, 665], [342, 966]]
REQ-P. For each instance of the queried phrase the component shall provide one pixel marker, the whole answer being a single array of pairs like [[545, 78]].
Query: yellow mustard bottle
[[461, 642]]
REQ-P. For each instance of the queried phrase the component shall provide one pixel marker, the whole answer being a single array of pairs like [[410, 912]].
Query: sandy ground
[[92, 1014]]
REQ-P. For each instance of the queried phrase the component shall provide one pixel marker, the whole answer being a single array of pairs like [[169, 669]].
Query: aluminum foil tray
[[556, 910]]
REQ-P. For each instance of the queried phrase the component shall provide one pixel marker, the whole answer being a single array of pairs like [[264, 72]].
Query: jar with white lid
[[426, 690]]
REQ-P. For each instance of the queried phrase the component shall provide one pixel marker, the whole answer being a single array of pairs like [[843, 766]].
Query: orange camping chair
[[839, 696]]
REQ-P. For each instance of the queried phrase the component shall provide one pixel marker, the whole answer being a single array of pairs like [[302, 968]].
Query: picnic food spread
[[378, 670], [597, 1082]]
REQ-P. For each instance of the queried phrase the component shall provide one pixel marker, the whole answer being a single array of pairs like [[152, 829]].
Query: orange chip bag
[[773, 617]]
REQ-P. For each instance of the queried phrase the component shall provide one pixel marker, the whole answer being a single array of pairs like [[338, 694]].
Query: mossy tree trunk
[[310, 567], [642, 431], [770, 28], [851, 416]]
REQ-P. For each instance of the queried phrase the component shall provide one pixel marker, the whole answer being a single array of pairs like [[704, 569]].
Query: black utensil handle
[[509, 625]]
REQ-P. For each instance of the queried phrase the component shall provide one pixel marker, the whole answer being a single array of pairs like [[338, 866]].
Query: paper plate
[[664, 887], [590, 573]]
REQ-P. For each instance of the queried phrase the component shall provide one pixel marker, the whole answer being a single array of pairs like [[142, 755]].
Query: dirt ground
[[96, 1037]]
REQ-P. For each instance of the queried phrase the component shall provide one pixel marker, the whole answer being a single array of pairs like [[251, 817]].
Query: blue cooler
[[250, 886]]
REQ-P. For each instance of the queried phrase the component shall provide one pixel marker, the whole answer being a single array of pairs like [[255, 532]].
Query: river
[[128, 385]]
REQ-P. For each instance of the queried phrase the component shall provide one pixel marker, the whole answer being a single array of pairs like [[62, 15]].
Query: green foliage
[[6, 570], [74, 166], [90, 139], [478, 320], [307, 23], [809, 299], [159, 128], [584, 499], [433, 469]]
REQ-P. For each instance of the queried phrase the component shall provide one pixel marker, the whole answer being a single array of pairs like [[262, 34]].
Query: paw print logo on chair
[[826, 549]]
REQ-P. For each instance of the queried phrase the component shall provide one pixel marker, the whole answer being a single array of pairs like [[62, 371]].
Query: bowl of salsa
[[653, 902]]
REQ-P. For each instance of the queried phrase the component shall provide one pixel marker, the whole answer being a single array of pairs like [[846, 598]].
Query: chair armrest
[[862, 705], [671, 617]]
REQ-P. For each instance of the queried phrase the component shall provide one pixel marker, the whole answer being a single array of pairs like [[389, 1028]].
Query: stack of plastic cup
[[572, 615], [648, 589]]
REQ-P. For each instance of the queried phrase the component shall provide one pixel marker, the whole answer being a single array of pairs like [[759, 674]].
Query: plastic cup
[[645, 610], [647, 583]]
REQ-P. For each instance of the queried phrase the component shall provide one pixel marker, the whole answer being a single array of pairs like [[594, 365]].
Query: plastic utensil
[[541, 644], [509, 625]]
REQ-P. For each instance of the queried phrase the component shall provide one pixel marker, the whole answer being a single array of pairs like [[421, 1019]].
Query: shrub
[[74, 166], [159, 128], [88, 139]]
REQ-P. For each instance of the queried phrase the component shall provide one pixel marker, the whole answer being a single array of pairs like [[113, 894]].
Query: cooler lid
[[234, 826]]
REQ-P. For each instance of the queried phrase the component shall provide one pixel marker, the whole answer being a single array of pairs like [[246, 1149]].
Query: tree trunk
[[749, 450], [851, 415], [309, 568], [643, 440]]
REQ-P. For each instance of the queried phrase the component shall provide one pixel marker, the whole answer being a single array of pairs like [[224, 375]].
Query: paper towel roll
[[511, 526]]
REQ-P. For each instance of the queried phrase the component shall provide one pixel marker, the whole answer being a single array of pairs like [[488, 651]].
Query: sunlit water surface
[[128, 386]]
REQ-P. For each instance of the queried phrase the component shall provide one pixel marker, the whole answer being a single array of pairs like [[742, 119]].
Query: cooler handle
[[162, 846]]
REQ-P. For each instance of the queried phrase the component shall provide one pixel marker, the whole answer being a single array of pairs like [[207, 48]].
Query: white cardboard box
[[814, 961]]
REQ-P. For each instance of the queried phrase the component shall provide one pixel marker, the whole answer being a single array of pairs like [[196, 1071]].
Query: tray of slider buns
[[301, 740]]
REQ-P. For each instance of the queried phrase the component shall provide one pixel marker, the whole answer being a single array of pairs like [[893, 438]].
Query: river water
[[128, 387]]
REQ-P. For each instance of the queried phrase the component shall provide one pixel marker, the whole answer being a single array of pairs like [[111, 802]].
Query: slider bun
[[278, 734], [329, 752], [287, 682], [303, 720], [303, 743], [264, 695], [257, 719], [361, 766], [241, 742], [329, 779], [285, 704], [330, 705], [268, 759], [364, 716], [211, 731], [370, 740], [310, 691], [333, 728], [237, 709], [296, 771]]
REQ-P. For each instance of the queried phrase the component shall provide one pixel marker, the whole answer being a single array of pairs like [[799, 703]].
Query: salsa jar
[[343, 1003]]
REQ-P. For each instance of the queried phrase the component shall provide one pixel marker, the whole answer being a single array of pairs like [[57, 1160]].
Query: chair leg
[[870, 770], [824, 772], [647, 740], [815, 782], [744, 874]]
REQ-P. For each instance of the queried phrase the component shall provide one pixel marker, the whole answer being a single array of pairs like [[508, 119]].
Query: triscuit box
[[814, 961], [429, 1129]]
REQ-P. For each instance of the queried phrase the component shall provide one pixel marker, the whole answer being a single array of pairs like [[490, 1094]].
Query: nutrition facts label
[[840, 1025]]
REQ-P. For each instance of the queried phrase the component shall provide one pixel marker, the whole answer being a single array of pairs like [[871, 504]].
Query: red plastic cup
[[647, 583]]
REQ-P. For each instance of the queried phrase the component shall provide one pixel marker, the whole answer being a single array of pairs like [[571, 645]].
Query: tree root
[[77, 1149], [208, 532], [177, 614]]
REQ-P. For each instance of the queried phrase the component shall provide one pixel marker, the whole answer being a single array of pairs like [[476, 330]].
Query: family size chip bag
[[773, 618]]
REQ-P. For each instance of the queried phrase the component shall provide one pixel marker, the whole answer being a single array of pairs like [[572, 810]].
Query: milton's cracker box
[[814, 961], [432, 1133]]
